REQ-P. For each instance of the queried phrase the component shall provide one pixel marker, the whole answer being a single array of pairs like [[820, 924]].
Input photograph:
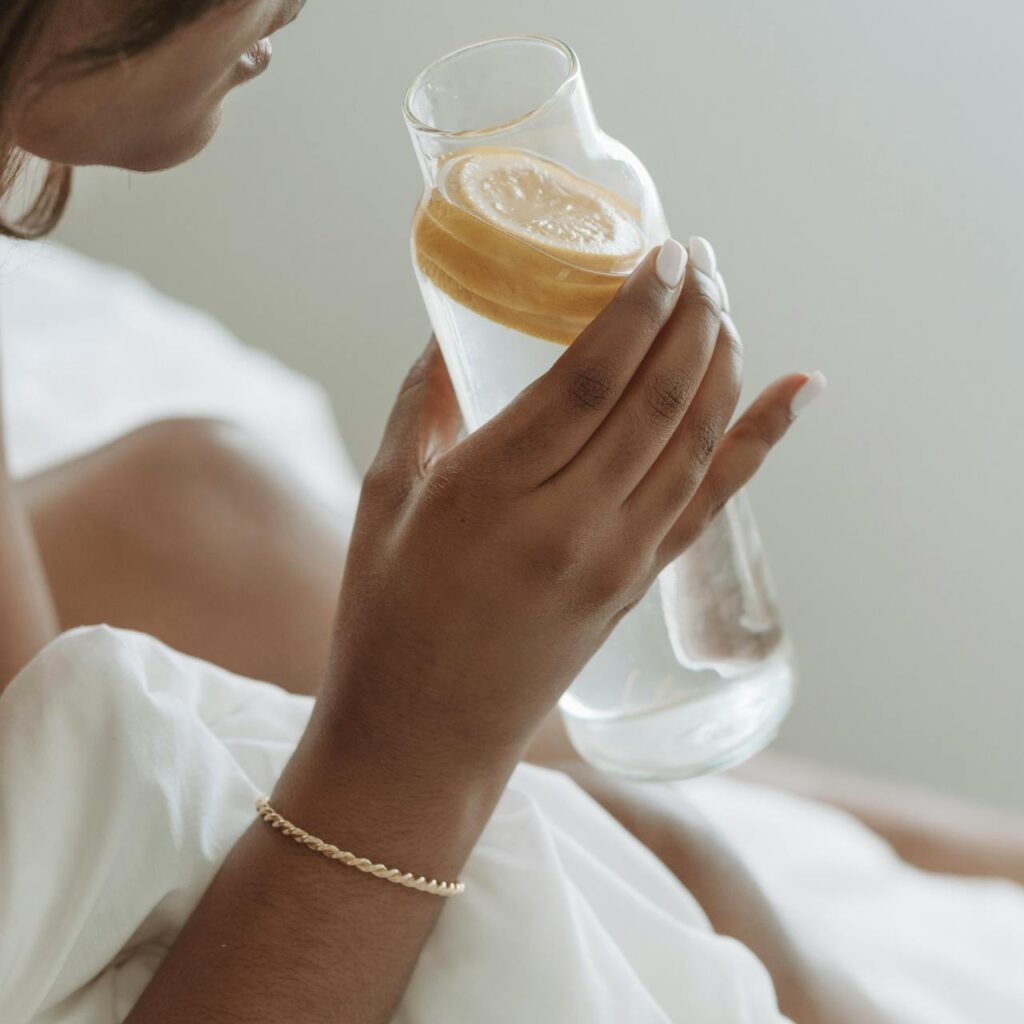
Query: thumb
[[425, 421]]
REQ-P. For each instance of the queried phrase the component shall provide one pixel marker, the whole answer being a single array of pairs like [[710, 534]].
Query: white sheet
[[931, 949], [127, 771], [91, 352]]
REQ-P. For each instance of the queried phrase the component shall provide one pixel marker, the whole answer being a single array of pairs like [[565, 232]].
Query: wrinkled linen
[[929, 948], [127, 771], [91, 352]]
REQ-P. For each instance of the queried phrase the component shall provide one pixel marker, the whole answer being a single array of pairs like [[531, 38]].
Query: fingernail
[[671, 264], [814, 387], [703, 256], [723, 290]]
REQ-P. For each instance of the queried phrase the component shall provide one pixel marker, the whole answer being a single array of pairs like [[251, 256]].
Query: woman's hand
[[482, 577]]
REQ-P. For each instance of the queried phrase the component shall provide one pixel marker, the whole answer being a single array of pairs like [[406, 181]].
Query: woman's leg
[[185, 530], [691, 848], [931, 831]]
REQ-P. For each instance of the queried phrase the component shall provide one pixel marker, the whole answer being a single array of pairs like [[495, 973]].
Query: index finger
[[552, 419]]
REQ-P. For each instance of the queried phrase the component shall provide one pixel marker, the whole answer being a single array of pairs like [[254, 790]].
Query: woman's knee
[[188, 530], [202, 489], [215, 488], [194, 469]]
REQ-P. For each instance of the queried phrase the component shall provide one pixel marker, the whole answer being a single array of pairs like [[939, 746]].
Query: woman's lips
[[257, 58]]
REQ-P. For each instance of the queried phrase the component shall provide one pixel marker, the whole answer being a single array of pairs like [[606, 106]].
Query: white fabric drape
[[127, 771]]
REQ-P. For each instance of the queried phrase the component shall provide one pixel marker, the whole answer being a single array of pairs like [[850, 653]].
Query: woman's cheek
[[146, 118]]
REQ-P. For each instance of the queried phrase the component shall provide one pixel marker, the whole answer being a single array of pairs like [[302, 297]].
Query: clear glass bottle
[[530, 218]]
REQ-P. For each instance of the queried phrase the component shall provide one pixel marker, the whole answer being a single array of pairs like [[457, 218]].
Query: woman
[[548, 524]]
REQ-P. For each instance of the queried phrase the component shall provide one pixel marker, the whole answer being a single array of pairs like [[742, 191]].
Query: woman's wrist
[[373, 705], [352, 789], [282, 926]]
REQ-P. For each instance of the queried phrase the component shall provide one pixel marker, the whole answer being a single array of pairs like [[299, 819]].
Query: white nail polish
[[815, 386], [723, 291], [671, 264], [703, 256]]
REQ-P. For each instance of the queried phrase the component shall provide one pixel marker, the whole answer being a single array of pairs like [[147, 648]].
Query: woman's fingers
[[675, 477], [425, 420], [740, 455], [548, 424], [634, 434]]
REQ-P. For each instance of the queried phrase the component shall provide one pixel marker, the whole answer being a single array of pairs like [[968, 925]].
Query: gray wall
[[858, 166]]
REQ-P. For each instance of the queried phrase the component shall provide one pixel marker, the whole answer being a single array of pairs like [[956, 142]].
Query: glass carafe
[[530, 218]]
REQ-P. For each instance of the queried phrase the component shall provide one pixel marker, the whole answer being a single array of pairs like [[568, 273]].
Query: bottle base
[[693, 737]]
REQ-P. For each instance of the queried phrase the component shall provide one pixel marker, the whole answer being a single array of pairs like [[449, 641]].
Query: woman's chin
[[157, 151], [171, 151]]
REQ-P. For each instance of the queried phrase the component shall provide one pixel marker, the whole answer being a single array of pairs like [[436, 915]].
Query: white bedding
[[126, 771], [91, 352]]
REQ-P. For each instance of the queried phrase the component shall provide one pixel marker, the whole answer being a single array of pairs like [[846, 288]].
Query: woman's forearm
[[28, 618], [284, 934]]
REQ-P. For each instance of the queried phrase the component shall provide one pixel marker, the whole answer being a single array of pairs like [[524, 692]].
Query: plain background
[[858, 167]]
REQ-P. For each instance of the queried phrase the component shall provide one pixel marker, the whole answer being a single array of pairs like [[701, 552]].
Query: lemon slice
[[547, 206], [561, 329], [506, 272], [524, 242]]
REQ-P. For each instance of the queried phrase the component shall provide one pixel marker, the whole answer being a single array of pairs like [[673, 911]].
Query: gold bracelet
[[421, 884]]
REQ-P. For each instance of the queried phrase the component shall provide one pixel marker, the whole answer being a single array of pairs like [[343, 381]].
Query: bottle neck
[[563, 129], [521, 92]]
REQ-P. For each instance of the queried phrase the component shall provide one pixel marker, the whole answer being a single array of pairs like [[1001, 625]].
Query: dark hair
[[21, 22]]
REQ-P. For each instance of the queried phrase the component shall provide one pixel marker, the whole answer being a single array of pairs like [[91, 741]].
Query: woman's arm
[[28, 618]]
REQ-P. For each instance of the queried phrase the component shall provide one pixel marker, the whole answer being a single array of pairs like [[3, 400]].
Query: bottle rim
[[566, 85]]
